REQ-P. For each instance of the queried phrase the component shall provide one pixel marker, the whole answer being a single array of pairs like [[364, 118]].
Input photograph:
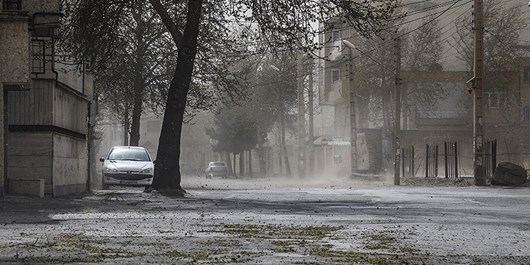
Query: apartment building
[[448, 117]]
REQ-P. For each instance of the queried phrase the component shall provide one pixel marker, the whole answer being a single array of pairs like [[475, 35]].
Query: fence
[[407, 161], [451, 159], [490, 158], [431, 161]]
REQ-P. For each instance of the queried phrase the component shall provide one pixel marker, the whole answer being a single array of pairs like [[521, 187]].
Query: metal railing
[[431, 161], [451, 159]]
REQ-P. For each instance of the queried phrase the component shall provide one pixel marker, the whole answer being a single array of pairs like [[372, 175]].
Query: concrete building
[[48, 108], [14, 60], [448, 118]]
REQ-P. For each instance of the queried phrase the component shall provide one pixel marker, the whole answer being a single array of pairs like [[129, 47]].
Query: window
[[335, 75], [496, 100], [12, 5], [37, 57], [526, 114]]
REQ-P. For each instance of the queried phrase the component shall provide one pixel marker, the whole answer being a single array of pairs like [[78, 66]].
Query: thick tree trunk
[[137, 112], [138, 82], [126, 126], [167, 168]]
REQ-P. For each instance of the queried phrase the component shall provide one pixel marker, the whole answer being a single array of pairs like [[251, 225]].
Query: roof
[[128, 147]]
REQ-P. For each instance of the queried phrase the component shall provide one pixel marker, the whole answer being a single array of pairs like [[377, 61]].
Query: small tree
[[275, 98], [234, 131]]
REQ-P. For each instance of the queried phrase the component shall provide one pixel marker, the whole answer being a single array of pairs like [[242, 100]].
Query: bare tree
[[191, 23]]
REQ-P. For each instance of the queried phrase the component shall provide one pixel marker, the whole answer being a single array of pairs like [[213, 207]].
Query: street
[[263, 221]]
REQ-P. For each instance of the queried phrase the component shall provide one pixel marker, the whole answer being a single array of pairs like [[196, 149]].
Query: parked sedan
[[216, 168], [127, 166]]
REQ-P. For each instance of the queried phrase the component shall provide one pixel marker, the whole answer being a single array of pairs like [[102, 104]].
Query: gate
[[451, 159], [431, 161], [407, 161], [490, 158]]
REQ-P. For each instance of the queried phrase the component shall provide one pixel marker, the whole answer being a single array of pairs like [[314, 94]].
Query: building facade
[[14, 61], [47, 118], [447, 116]]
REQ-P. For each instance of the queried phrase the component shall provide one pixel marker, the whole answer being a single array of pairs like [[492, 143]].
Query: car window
[[219, 164], [129, 154]]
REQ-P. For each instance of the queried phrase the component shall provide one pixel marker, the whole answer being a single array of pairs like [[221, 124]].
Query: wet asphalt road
[[267, 221]]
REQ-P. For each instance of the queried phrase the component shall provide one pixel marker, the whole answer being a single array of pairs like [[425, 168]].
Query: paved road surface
[[267, 221]]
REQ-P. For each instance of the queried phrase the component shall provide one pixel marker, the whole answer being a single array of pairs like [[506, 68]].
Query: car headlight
[[147, 170], [111, 170]]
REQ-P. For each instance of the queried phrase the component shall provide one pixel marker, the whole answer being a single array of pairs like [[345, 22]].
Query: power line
[[414, 3]]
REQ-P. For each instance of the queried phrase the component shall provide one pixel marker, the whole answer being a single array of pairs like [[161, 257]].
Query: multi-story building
[[447, 118], [47, 107], [14, 62]]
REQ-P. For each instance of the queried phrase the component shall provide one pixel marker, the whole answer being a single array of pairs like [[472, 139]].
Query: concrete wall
[[70, 165], [70, 110], [31, 107], [2, 151], [30, 157], [14, 58], [14, 48], [35, 6]]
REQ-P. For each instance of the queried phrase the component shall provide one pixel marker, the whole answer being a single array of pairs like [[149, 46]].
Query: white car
[[216, 168], [127, 166]]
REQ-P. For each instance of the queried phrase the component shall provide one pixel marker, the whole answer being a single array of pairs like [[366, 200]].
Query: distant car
[[216, 169], [127, 166]]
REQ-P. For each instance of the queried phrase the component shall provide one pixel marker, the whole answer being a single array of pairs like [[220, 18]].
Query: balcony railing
[[11, 5]]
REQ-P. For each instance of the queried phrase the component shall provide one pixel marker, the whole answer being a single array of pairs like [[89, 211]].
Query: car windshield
[[129, 154], [218, 164]]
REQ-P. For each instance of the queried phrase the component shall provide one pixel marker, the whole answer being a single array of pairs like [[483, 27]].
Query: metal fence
[[490, 158], [451, 159], [431, 160], [450, 162], [407, 161]]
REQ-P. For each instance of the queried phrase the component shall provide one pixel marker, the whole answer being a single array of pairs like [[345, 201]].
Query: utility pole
[[301, 116], [397, 113], [478, 131], [310, 95], [353, 113], [353, 117]]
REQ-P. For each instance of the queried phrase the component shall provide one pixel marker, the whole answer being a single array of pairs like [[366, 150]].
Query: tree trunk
[[137, 112], [167, 169], [138, 81], [284, 147], [126, 126], [262, 160], [228, 163], [234, 164], [250, 163], [242, 163]]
